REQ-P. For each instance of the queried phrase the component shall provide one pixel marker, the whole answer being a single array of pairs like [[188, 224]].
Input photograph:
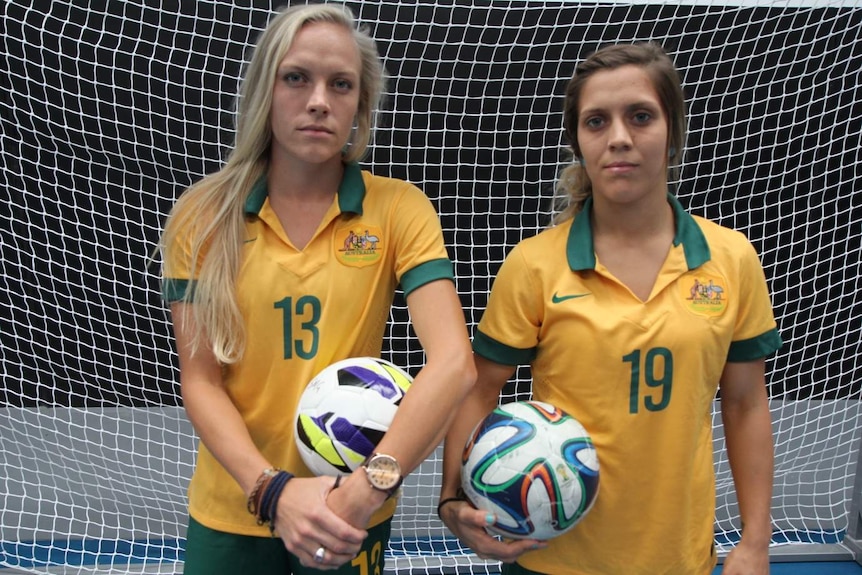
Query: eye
[[594, 122], [293, 78], [342, 85], [642, 117]]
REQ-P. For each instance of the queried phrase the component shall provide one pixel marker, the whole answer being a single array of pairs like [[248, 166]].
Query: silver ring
[[320, 554]]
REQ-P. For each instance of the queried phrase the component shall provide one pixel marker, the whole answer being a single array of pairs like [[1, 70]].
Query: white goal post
[[108, 112]]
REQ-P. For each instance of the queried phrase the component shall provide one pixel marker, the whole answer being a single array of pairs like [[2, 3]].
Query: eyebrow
[[632, 106], [302, 69]]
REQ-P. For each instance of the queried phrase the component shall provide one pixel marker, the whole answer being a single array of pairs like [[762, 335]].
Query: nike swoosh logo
[[561, 298]]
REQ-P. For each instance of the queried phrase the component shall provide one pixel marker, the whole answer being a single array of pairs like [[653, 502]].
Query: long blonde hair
[[209, 216], [573, 185]]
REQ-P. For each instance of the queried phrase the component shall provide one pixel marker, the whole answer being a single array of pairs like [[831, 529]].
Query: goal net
[[107, 113]]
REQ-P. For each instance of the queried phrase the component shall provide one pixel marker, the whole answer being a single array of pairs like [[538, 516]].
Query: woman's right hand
[[306, 524], [469, 523]]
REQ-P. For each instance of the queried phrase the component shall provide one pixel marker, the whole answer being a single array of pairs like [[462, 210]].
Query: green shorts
[[211, 552]]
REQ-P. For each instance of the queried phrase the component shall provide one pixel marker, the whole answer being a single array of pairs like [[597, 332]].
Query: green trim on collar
[[351, 192], [256, 197], [689, 234], [581, 252], [174, 290]]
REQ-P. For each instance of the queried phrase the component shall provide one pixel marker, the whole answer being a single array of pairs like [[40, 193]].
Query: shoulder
[[548, 241], [396, 200], [543, 253], [191, 200], [722, 238], [730, 250], [190, 216], [375, 184]]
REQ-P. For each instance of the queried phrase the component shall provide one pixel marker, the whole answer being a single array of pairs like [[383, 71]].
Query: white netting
[[106, 115]]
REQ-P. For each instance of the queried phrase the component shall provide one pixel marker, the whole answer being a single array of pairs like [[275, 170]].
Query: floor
[[812, 568], [808, 568]]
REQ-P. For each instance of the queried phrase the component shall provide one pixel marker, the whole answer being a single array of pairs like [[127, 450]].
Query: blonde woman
[[602, 308], [266, 290]]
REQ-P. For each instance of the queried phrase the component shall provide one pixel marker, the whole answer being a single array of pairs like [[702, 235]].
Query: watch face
[[383, 472]]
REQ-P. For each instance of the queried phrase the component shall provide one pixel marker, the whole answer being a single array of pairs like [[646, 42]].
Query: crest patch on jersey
[[358, 245], [704, 294]]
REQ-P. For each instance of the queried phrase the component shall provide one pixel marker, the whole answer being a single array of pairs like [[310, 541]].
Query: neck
[[300, 180], [633, 222]]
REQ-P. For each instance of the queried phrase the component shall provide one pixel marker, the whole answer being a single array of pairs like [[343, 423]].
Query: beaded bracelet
[[253, 503]]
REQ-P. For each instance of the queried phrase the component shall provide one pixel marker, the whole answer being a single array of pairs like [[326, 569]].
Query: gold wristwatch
[[383, 473]]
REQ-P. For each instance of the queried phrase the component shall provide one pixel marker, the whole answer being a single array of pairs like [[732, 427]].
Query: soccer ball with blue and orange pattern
[[534, 466]]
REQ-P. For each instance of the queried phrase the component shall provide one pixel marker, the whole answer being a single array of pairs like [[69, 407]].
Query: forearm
[[431, 402], [215, 418], [748, 434], [447, 376], [418, 427], [475, 407], [222, 430], [427, 410]]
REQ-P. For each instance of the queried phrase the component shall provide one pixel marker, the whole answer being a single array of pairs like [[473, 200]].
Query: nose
[[318, 102], [619, 136]]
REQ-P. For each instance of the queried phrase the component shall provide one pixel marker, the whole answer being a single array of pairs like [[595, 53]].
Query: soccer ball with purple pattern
[[344, 412]]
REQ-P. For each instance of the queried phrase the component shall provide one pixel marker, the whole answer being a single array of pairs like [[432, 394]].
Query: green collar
[[581, 252], [351, 192]]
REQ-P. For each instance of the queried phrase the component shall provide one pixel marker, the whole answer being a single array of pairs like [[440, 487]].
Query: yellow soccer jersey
[[306, 309], [640, 375]]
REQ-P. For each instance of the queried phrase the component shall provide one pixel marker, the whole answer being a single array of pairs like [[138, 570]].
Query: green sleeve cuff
[[491, 349], [427, 272], [758, 347]]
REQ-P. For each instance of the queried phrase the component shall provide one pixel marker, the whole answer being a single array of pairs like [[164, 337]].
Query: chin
[[622, 196], [317, 156]]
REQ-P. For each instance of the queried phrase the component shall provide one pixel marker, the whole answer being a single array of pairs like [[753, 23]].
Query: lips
[[315, 129], [620, 168]]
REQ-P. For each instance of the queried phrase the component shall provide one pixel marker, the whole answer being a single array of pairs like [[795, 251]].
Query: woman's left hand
[[309, 528], [355, 500], [747, 560]]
